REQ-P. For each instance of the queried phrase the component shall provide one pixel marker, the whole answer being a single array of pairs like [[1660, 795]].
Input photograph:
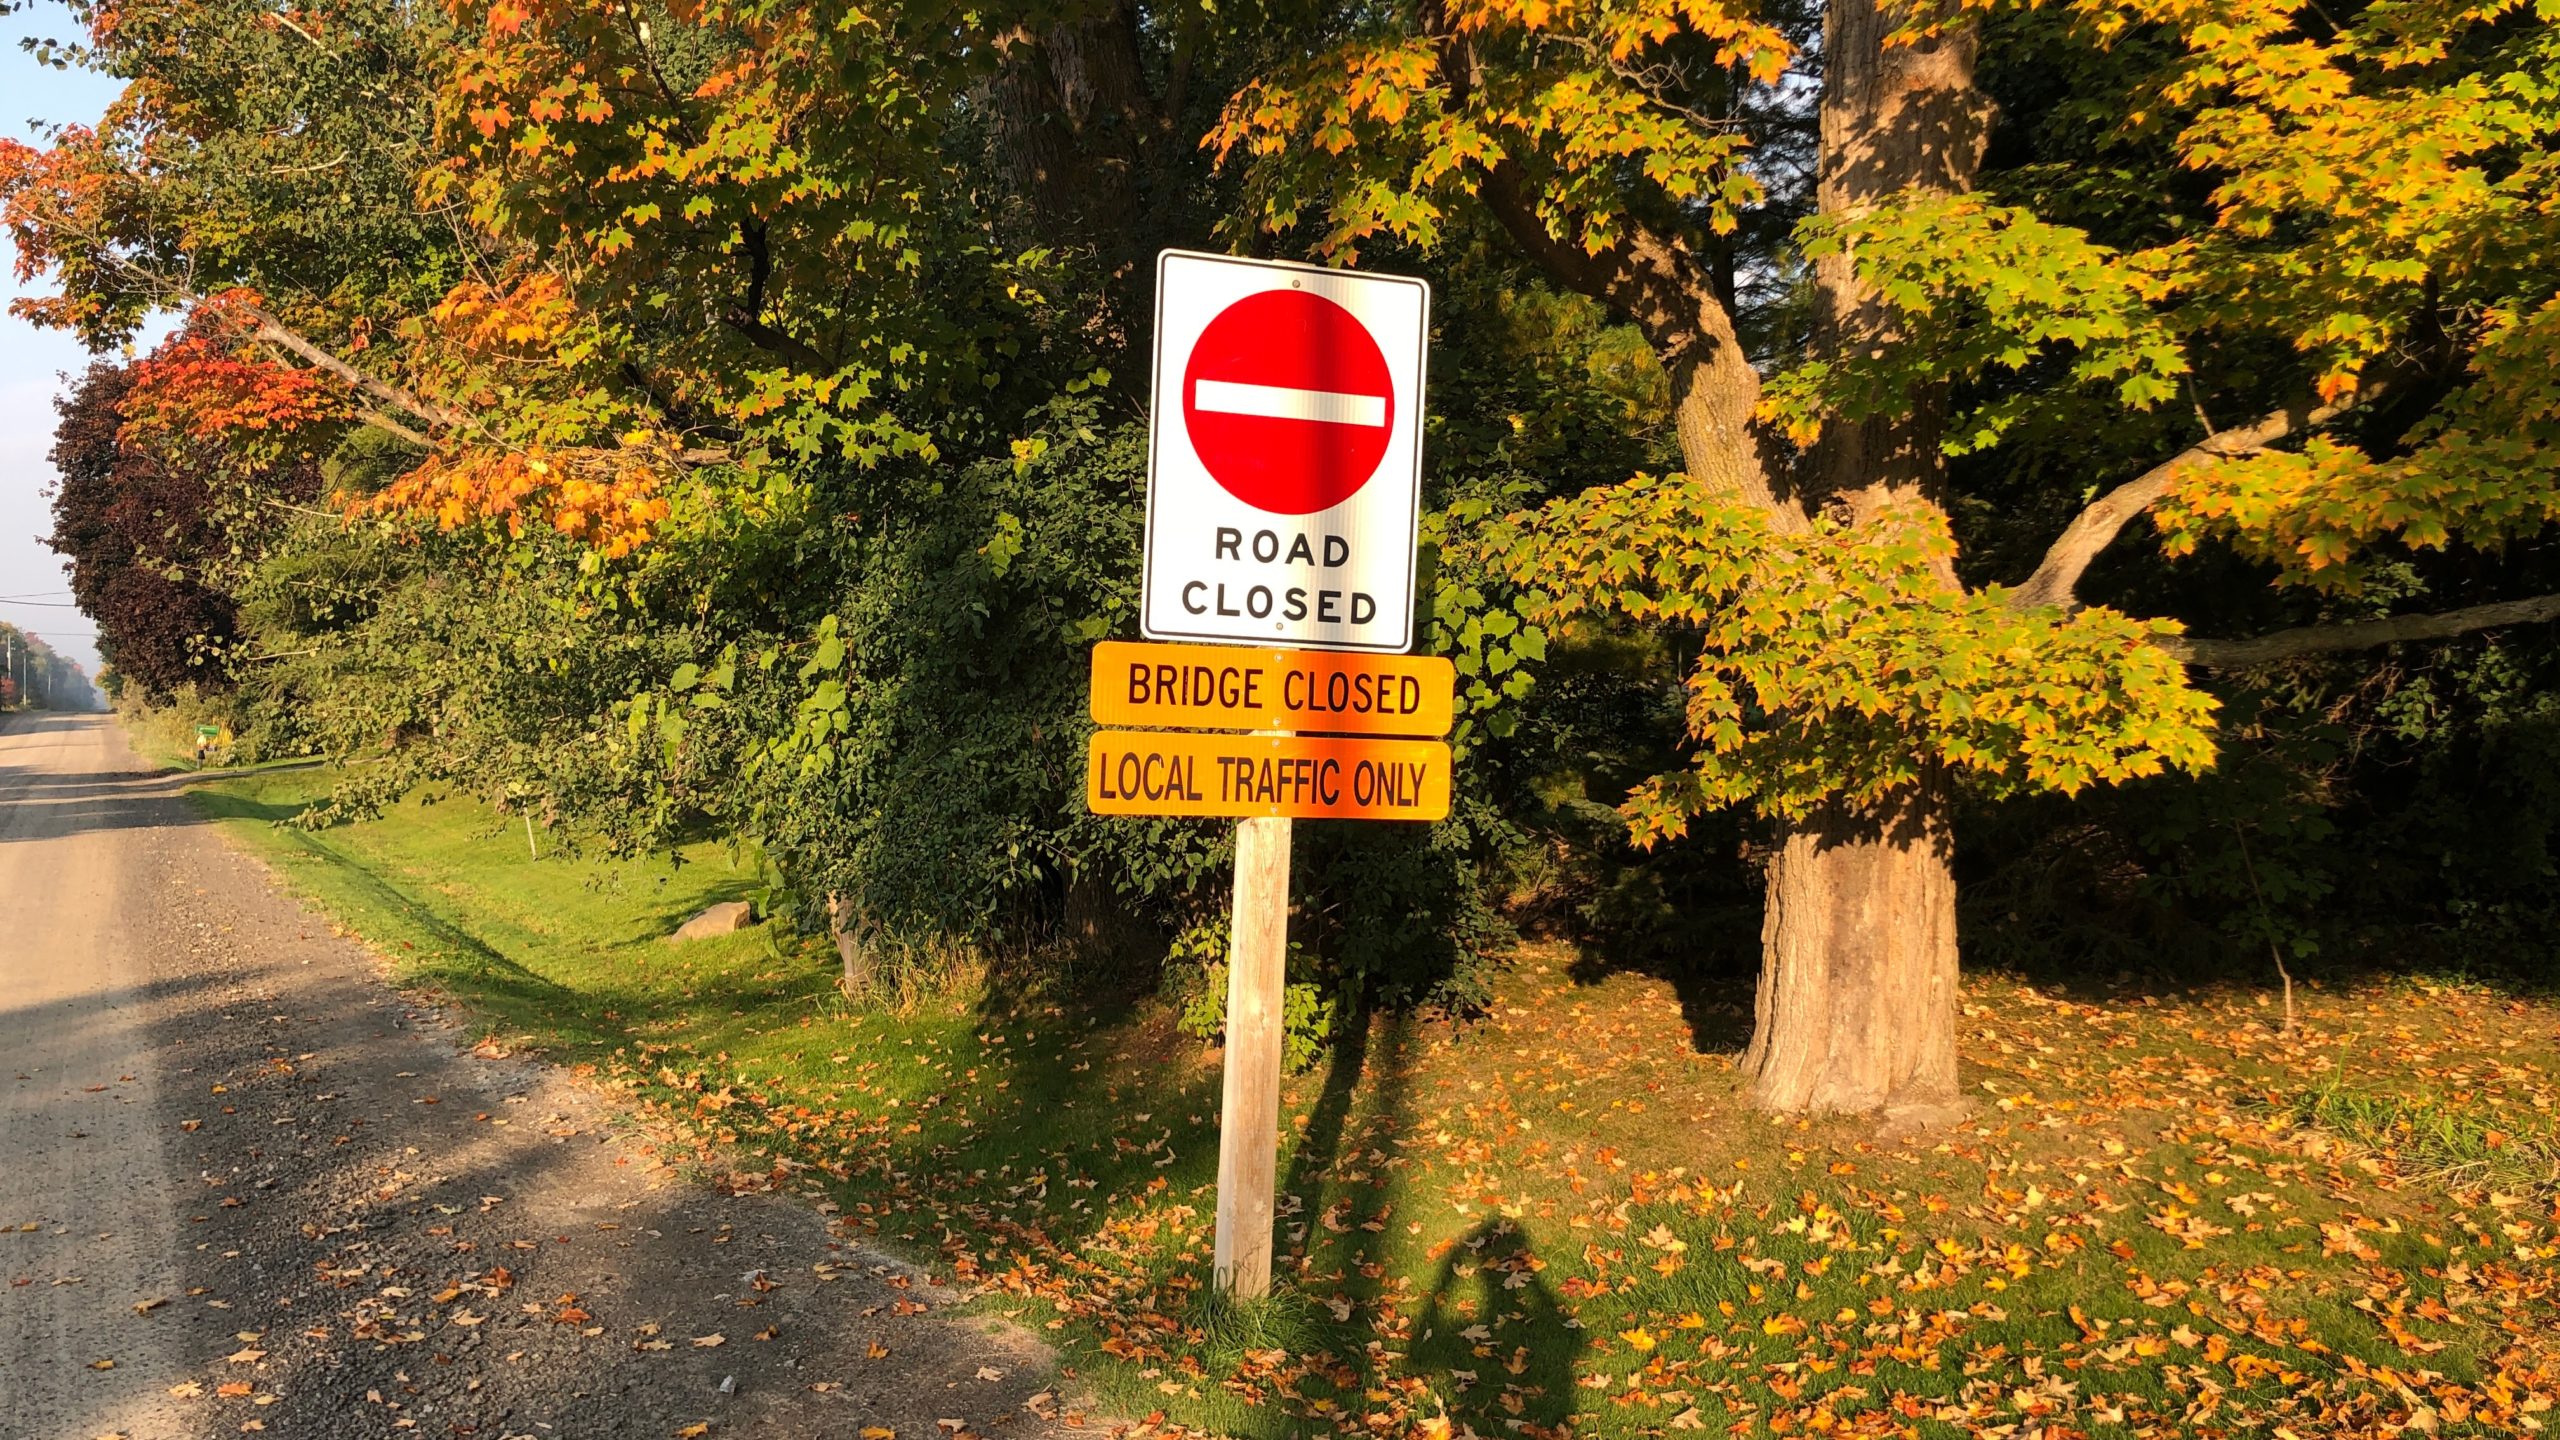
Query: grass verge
[[1560, 1220]]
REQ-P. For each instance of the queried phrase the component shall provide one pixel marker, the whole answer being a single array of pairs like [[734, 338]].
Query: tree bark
[[852, 950], [1670, 294], [1857, 995], [1857, 1004], [1079, 135], [2305, 640]]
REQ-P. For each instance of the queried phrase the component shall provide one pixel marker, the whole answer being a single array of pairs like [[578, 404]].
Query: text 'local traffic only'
[[1225, 687], [1313, 777]]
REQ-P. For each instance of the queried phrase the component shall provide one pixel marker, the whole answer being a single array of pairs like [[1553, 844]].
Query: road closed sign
[[1285, 461]]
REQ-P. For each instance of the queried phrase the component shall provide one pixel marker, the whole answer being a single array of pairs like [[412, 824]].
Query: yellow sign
[[1235, 687], [1310, 777]]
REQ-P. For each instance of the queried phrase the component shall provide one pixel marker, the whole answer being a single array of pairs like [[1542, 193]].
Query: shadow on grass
[[1714, 989], [1501, 1320], [934, 1122], [218, 803], [445, 952]]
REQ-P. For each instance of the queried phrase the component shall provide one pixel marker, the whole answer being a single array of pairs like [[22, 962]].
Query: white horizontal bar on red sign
[[1287, 402]]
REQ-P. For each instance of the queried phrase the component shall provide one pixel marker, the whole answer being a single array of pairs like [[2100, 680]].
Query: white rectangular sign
[[1284, 462]]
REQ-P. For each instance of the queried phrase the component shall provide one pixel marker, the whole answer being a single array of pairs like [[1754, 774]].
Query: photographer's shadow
[[1492, 1314]]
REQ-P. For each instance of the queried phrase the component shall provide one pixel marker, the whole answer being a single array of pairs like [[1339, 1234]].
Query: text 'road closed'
[[1312, 777]]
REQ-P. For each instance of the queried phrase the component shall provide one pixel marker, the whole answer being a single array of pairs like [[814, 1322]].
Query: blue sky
[[33, 361]]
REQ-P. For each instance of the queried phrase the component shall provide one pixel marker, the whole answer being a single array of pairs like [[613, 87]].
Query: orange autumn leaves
[[608, 499], [1376, 135], [552, 457], [207, 383], [508, 458]]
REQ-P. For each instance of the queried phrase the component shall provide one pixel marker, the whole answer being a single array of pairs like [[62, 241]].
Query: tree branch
[[798, 353], [1654, 279], [389, 426], [747, 316], [2057, 578], [2357, 634], [395, 396]]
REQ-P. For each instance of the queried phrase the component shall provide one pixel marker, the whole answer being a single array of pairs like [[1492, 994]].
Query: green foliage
[[1196, 978], [1975, 289], [1370, 135], [788, 288], [1838, 664], [2482, 470]]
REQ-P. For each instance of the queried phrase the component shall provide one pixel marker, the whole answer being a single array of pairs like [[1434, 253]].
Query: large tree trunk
[[1857, 1001], [1084, 145]]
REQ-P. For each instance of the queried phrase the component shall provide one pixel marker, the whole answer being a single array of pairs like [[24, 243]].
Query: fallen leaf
[[706, 1342]]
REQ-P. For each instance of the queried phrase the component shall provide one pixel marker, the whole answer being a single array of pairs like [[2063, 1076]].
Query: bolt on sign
[[1230, 687], [1284, 473]]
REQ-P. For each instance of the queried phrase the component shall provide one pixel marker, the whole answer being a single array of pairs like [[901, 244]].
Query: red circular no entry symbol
[[1287, 401]]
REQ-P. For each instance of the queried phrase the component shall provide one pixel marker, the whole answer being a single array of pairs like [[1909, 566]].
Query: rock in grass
[[725, 918]]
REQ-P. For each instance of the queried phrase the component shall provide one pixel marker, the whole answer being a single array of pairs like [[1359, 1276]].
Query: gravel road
[[245, 1186]]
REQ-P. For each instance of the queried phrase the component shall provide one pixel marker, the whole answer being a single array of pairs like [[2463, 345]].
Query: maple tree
[[690, 301], [2375, 213]]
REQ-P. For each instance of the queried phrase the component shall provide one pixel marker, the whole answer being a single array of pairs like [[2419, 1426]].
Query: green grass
[[1562, 1217], [2444, 1142]]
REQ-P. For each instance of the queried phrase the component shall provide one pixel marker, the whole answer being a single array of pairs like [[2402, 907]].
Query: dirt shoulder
[[357, 1226]]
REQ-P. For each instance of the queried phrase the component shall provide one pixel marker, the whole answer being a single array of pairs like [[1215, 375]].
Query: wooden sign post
[[1249, 1117], [1284, 485]]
